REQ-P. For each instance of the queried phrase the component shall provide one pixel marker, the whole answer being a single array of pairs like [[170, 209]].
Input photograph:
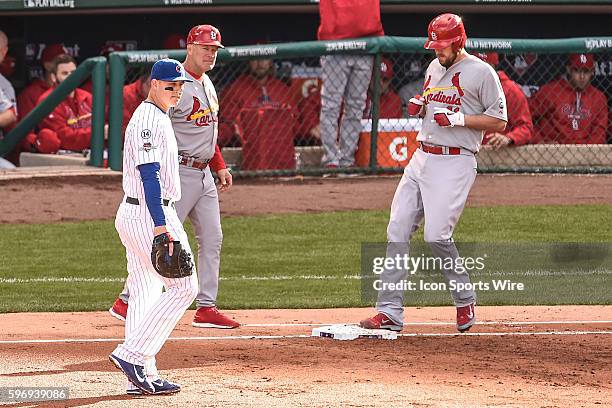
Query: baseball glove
[[175, 265]]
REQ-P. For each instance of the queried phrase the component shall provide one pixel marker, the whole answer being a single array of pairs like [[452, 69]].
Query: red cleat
[[119, 309], [211, 317], [380, 321], [466, 317]]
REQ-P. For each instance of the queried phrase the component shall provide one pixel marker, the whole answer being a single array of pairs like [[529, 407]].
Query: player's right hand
[[416, 105]]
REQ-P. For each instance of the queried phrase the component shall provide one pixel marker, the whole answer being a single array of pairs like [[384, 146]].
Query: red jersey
[[390, 106], [564, 115], [520, 126], [88, 86], [349, 19], [28, 98], [71, 120], [247, 93], [132, 97]]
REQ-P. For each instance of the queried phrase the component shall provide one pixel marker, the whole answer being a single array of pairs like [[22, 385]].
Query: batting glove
[[416, 105], [446, 118]]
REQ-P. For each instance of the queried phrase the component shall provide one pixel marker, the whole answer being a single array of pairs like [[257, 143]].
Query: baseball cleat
[[211, 317], [162, 387], [466, 317], [119, 309], [135, 373], [380, 321]]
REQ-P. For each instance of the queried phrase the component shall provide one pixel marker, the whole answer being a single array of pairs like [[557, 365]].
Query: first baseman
[[195, 123], [147, 215], [462, 98]]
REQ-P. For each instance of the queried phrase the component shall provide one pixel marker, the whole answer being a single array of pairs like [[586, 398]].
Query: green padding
[[374, 45], [40, 111]]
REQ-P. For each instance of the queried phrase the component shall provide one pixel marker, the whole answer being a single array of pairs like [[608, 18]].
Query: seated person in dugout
[[570, 110], [68, 126], [27, 99], [390, 105], [390, 102], [519, 129], [255, 89], [134, 94]]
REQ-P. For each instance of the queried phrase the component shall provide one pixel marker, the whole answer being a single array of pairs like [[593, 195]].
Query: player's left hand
[[446, 118], [497, 141], [225, 178]]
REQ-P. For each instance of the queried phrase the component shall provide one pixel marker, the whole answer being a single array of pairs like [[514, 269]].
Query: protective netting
[[270, 117]]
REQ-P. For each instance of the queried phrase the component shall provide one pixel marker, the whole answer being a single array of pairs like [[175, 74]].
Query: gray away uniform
[[435, 187]]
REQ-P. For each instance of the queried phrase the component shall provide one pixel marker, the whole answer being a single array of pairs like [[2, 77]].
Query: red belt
[[441, 149], [192, 162]]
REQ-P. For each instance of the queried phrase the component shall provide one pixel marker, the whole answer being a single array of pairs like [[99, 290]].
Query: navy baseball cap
[[169, 70]]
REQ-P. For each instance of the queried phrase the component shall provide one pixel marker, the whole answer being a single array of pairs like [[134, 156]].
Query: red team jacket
[[71, 120], [131, 99], [566, 116], [520, 126], [28, 98], [349, 19], [246, 93], [390, 106]]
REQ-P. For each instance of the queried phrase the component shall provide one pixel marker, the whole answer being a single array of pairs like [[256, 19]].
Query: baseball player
[[462, 98], [146, 214], [195, 123]]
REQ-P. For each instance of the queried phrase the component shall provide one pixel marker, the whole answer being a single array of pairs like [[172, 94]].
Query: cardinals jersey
[[469, 86], [195, 119]]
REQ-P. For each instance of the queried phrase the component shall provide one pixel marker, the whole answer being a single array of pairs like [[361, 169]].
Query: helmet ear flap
[[457, 45]]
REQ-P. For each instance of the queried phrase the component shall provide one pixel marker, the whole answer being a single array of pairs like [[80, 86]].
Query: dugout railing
[[94, 67], [387, 139], [279, 140]]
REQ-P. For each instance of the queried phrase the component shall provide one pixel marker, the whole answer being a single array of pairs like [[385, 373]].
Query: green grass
[[284, 248]]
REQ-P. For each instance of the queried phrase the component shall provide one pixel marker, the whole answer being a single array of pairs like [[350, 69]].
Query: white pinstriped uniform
[[195, 124], [152, 315]]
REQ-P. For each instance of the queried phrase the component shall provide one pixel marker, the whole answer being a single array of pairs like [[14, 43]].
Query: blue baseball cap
[[169, 70]]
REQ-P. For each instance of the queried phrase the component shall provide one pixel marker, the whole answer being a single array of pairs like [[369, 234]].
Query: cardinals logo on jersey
[[201, 117], [455, 82], [436, 93]]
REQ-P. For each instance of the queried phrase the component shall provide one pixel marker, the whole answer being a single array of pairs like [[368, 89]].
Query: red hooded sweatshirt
[[71, 120], [520, 126], [566, 116], [28, 98]]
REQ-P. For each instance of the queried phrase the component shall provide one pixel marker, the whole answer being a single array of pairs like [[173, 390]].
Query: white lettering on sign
[[48, 3], [346, 46], [401, 154], [252, 52]]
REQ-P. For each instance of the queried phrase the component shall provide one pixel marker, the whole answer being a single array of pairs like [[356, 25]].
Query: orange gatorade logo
[[436, 94], [201, 117]]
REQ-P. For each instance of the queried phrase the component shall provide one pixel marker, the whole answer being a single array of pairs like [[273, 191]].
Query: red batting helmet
[[205, 35], [444, 30]]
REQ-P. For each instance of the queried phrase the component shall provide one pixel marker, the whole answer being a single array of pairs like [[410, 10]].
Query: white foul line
[[483, 323], [305, 336]]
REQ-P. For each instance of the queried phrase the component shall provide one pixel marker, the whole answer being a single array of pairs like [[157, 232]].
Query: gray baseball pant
[[345, 78]]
